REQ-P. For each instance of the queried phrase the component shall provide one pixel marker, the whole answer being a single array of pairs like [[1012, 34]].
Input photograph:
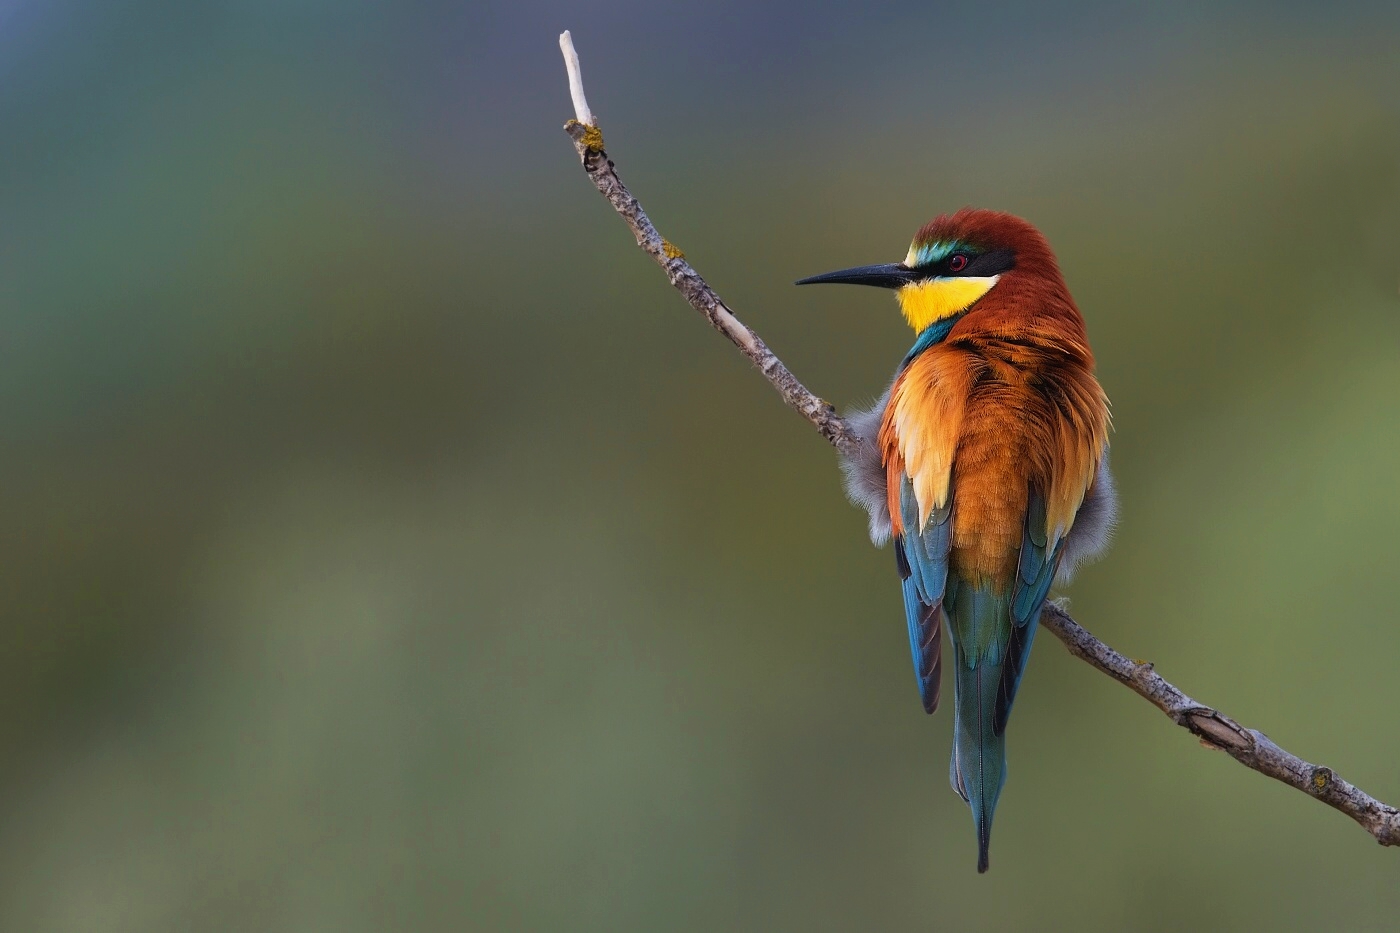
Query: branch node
[[1219, 730]]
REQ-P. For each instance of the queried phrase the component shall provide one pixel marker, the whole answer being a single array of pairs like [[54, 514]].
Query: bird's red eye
[[958, 263]]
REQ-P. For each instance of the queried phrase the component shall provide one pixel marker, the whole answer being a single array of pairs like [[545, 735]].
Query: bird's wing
[[1034, 572], [918, 438], [921, 555]]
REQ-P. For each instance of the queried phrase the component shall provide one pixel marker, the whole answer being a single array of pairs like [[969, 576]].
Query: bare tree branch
[[1250, 748], [1216, 730], [589, 143]]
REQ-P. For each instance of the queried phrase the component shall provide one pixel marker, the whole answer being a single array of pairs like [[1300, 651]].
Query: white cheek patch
[[984, 282]]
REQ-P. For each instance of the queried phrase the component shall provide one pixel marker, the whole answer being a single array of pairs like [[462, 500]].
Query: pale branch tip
[[581, 111], [1250, 748]]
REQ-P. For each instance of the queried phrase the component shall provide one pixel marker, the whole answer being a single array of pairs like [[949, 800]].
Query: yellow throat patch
[[929, 302]]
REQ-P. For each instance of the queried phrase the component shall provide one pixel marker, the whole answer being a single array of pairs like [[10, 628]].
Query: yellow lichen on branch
[[592, 137]]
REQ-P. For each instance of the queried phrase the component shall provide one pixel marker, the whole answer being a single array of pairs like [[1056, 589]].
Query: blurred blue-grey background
[[385, 546]]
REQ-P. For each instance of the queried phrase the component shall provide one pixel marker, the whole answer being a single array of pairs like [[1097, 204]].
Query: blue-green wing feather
[[1035, 570], [922, 559]]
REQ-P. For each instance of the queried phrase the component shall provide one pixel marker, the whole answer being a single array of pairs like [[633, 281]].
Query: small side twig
[[1250, 748]]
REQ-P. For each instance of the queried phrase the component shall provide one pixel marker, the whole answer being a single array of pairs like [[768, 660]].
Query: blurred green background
[[385, 546]]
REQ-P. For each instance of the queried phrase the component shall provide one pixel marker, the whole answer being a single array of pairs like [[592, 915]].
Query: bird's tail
[[981, 626]]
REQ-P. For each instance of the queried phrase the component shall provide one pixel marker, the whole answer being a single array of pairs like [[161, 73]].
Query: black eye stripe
[[994, 262]]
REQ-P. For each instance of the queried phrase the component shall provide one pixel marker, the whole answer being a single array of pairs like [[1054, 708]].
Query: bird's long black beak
[[886, 275]]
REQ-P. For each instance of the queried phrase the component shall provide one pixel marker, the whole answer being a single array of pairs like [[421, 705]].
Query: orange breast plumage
[[980, 421]]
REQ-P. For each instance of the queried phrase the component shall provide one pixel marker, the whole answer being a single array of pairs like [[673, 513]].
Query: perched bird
[[986, 461]]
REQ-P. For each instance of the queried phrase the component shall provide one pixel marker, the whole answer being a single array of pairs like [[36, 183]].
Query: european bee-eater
[[986, 461]]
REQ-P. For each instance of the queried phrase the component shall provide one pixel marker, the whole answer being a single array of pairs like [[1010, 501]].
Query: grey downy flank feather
[[1093, 524], [865, 473]]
